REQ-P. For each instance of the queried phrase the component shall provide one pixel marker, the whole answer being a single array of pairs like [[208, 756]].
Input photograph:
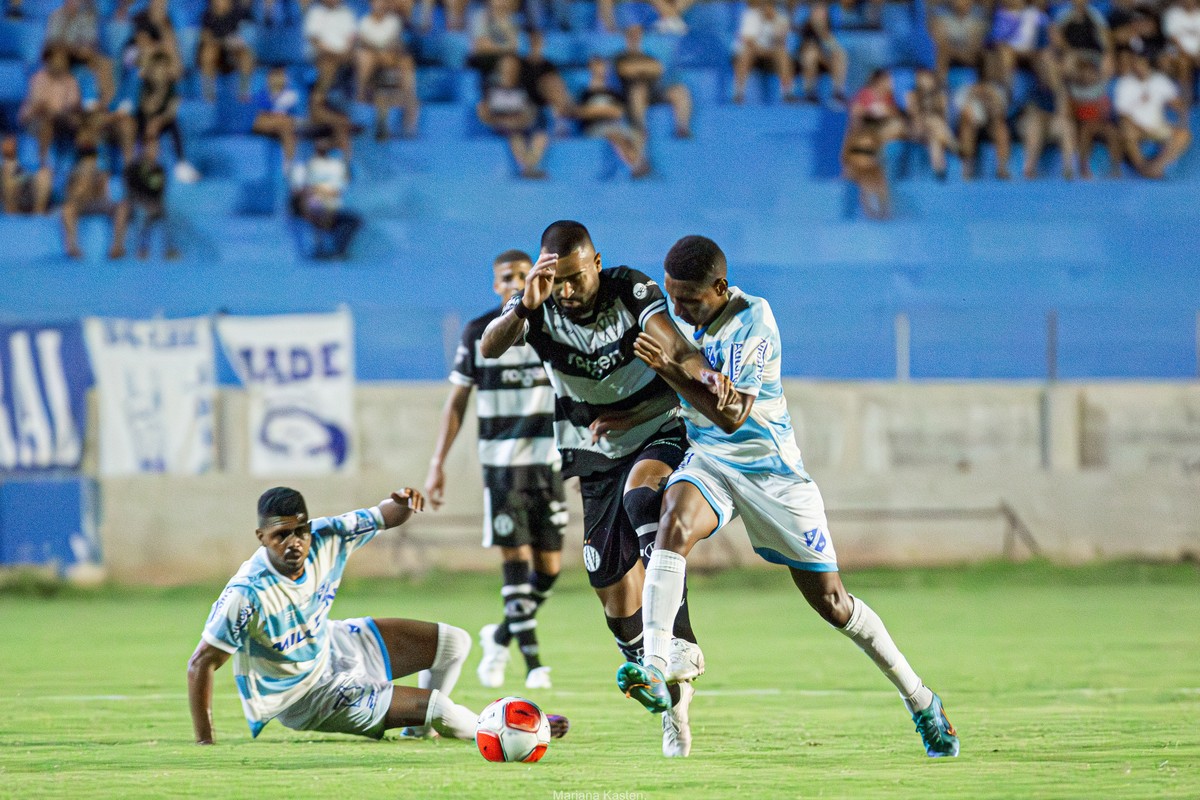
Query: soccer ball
[[512, 729]]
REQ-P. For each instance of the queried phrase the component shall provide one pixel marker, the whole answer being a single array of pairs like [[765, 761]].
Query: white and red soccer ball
[[512, 729]]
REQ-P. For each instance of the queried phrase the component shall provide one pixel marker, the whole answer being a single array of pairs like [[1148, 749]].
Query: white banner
[[156, 385], [298, 370]]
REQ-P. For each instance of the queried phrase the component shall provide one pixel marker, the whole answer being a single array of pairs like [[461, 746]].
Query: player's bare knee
[[834, 606]]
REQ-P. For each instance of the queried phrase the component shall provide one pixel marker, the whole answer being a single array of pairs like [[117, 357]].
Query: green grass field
[[1063, 683]]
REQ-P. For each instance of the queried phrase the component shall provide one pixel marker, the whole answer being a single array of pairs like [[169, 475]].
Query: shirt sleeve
[[229, 619], [641, 295], [463, 373], [748, 356], [354, 528]]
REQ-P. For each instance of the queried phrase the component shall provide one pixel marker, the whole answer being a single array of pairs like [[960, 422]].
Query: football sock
[[643, 506], [866, 630], [661, 599], [543, 586], [453, 645], [516, 584], [449, 718], [628, 633], [519, 608]]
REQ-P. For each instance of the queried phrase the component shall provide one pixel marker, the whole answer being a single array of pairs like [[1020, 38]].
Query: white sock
[[453, 645], [866, 630], [449, 718], [661, 596]]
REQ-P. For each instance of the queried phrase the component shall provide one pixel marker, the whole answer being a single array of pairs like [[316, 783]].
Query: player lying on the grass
[[292, 663], [743, 460], [615, 425]]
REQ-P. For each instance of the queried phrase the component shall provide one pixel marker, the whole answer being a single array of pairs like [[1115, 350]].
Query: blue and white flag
[[298, 370], [44, 378], [157, 388]]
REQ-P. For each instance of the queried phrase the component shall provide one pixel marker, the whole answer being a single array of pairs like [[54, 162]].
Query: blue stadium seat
[[281, 45], [22, 40], [583, 16], [437, 84], [114, 35], [12, 81], [638, 13], [715, 17], [704, 49], [447, 48]]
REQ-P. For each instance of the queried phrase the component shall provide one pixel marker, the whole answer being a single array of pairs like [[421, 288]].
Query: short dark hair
[[281, 502], [695, 259], [565, 237], [512, 255]]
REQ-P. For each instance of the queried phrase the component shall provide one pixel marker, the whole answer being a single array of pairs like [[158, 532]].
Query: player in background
[[616, 427], [524, 509], [292, 663], [744, 460]]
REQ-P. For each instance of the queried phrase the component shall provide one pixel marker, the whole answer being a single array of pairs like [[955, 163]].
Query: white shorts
[[354, 693], [784, 514]]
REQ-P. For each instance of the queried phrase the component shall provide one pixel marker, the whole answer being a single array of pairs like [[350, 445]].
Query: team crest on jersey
[[712, 354], [640, 291], [814, 539], [591, 558], [503, 524]]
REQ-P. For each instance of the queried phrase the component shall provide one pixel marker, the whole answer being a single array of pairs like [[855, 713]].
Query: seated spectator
[[328, 111], [545, 84], [541, 14], [329, 29], [983, 107], [1181, 25], [1091, 111], [1136, 29], [276, 105], [1019, 38], [53, 109], [494, 35], [22, 192], [928, 119], [1046, 119], [602, 115], [222, 48], [87, 195], [642, 82], [509, 110], [394, 85], [762, 44], [156, 110], [455, 14], [862, 165], [379, 34], [1142, 98], [76, 26], [819, 52], [319, 186], [145, 199], [876, 102], [1080, 27], [958, 37], [15, 10], [670, 15], [155, 22]]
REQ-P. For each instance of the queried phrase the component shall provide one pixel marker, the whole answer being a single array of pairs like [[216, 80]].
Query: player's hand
[[647, 348], [611, 422], [409, 498], [435, 486], [722, 387], [540, 281]]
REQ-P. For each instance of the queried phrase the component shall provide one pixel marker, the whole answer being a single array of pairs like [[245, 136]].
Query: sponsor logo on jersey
[[525, 376], [591, 558], [595, 367]]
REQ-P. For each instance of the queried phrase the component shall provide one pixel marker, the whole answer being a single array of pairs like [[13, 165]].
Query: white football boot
[[677, 732], [495, 658], [538, 678], [685, 662]]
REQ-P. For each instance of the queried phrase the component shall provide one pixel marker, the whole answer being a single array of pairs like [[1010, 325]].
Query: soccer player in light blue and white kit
[[292, 663], [743, 460]]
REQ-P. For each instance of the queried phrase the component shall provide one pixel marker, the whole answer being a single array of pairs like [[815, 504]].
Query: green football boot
[[644, 684], [937, 734]]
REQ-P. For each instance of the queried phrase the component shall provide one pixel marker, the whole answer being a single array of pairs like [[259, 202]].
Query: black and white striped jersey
[[515, 405], [593, 369]]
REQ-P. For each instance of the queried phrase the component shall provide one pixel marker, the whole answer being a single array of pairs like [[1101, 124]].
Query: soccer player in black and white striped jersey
[[524, 507], [615, 424]]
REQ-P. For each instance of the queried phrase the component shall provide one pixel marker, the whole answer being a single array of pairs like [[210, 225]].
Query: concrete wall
[[911, 473]]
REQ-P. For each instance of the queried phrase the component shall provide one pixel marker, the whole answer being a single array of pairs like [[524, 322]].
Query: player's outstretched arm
[[452, 418], [400, 506], [508, 328], [201, 666]]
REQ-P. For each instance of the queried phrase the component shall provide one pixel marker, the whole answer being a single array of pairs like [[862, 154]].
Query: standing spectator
[[87, 195], [222, 48], [145, 199], [642, 81], [22, 192], [983, 107], [602, 113], [1080, 27], [1181, 24], [1091, 111], [862, 166], [545, 85], [762, 43], [76, 26], [928, 111], [276, 106], [1142, 99], [1019, 38], [508, 109], [494, 35], [1046, 118], [876, 102], [53, 107], [329, 30], [321, 184], [157, 110], [820, 51], [958, 37]]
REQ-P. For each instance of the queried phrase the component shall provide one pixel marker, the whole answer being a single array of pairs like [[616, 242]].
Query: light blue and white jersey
[[743, 344], [275, 627]]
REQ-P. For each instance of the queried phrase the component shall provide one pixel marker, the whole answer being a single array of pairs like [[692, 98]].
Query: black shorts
[[610, 543], [534, 517]]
